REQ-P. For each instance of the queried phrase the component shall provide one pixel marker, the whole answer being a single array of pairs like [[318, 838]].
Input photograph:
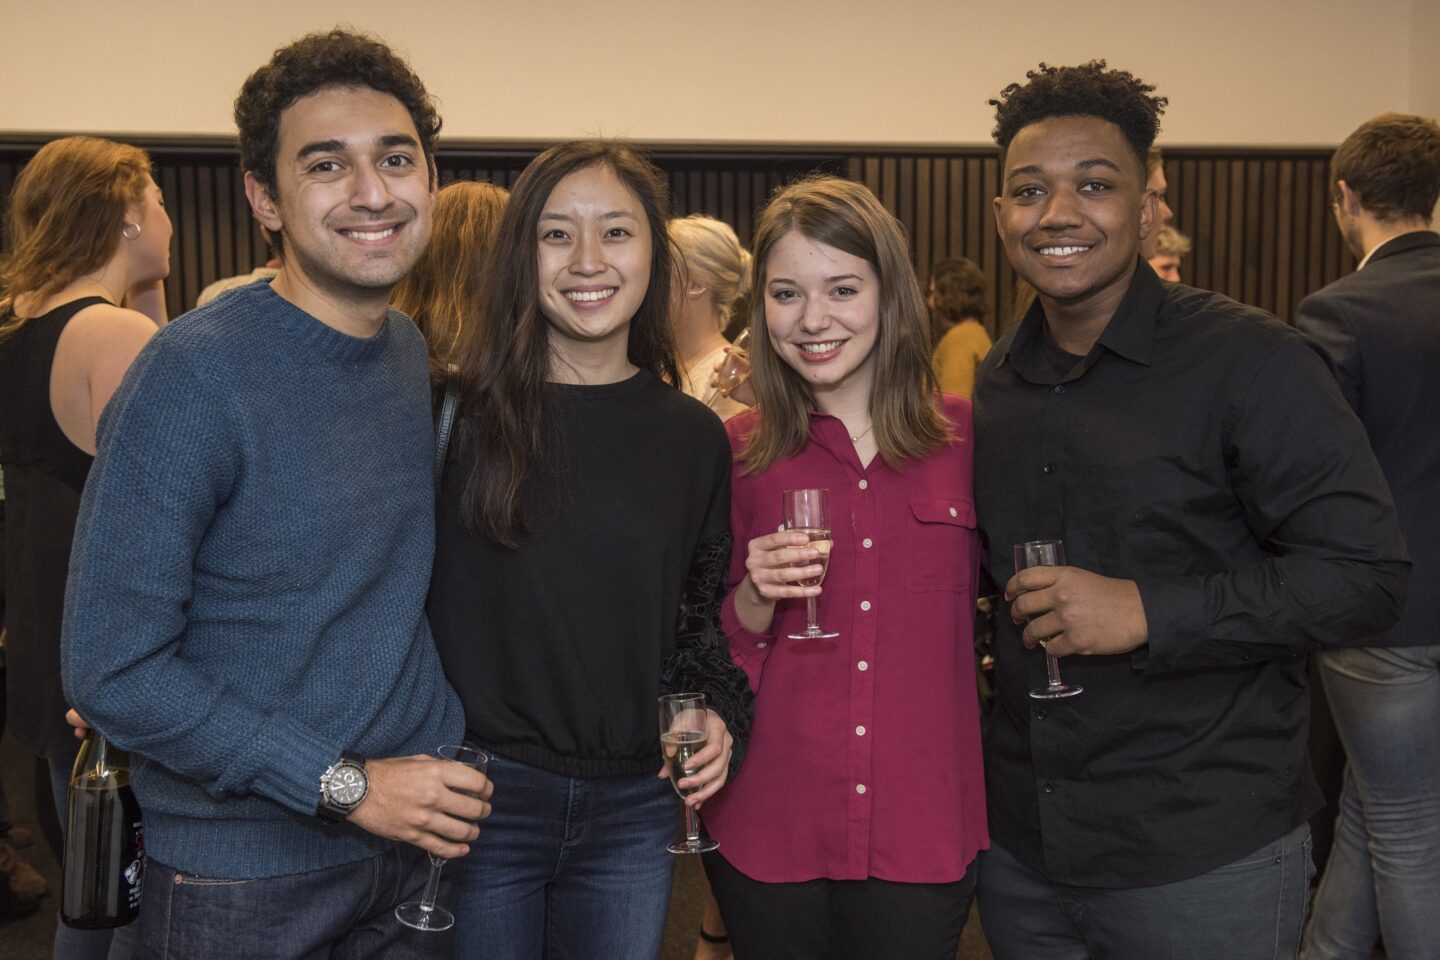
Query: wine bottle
[[104, 840]]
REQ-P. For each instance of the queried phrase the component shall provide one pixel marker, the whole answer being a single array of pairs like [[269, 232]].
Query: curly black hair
[[339, 58], [1089, 90]]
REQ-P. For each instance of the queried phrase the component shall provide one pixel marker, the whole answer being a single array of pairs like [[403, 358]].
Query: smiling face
[[1072, 213], [352, 195], [593, 258], [822, 312]]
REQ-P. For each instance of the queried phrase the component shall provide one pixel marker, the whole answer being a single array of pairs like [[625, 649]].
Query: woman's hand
[[773, 565], [709, 768]]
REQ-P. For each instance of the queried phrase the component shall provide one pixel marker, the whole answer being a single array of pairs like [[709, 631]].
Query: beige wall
[[912, 71]]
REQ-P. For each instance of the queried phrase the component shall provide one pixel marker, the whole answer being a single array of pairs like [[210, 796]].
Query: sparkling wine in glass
[[808, 512], [736, 366], [1046, 553], [425, 913], [682, 735]]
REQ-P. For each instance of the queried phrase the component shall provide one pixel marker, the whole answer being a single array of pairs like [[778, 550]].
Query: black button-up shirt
[[1203, 450]]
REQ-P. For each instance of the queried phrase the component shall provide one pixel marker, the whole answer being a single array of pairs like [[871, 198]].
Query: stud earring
[[126, 231]]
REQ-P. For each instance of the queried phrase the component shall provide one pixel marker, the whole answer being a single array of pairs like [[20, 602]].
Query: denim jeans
[[341, 913], [567, 869], [1383, 876], [1252, 909], [70, 943]]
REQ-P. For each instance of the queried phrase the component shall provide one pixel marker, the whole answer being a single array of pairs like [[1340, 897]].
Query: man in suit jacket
[[1381, 326]]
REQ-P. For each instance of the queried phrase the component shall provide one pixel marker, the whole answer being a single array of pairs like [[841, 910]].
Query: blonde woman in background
[[959, 304], [713, 272], [88, 234], [444, 288]]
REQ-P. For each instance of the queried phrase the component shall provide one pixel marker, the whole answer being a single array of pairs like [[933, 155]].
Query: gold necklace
[[855, 438]]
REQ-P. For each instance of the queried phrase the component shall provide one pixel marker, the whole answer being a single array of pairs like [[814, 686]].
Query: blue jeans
[[1383, 876], [341, 913], [1251, 909], [567, 869], [72, 944]]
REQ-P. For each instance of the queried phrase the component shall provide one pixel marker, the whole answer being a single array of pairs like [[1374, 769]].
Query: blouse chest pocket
[[941, 539]]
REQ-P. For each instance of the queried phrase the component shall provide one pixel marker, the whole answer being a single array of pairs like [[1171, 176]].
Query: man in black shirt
[[1222, 514]]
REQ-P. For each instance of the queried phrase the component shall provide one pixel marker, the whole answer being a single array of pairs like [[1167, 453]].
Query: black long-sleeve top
[[1203, 450], [559, 648]]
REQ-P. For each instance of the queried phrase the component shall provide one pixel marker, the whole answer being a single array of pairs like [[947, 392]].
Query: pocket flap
[[956, 511]]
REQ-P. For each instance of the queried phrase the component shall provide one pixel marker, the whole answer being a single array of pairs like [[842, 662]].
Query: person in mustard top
[[958, 307]]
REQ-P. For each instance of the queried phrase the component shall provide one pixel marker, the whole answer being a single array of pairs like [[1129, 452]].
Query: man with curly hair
[[245, 610], [1381, 327], [1221, 515]]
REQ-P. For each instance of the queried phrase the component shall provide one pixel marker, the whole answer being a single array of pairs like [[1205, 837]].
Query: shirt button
[[1039, 714], [864, 484], [864, 604], [867, 543], [954, 512], [1049, 788], [1048, 469], [859, 788], [761, 645], [863, 666], [859, 731], [1059, 388]]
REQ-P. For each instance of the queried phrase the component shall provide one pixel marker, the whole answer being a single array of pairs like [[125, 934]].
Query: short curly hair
[[339, 58], [1089, 90]]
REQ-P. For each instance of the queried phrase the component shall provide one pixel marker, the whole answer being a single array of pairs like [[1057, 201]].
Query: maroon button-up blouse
[[865, 756]]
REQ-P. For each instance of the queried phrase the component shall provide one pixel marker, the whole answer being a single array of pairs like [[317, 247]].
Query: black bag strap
[[444, 423]]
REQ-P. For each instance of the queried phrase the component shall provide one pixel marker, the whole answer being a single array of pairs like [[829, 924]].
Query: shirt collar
[[1129, 334], [1414, 238]]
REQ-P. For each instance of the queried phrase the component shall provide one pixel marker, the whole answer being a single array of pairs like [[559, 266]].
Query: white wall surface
[[880, 71]]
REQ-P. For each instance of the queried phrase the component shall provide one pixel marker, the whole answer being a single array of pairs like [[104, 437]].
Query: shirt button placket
[[868, 504]]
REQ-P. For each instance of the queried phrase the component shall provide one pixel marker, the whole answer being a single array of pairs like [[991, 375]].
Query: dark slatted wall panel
[[1260, 219]]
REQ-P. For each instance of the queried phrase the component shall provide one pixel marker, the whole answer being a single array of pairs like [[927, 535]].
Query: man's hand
[[82, 729], [1069, 610], [430, 803], [709, 767]]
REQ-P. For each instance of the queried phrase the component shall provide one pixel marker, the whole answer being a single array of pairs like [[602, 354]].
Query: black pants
[[840, 919]]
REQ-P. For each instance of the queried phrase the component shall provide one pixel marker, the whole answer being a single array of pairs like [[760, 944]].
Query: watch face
[[347, 784]]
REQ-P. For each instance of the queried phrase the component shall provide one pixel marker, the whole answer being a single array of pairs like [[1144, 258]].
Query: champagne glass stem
[[692, 825], [811, 615], [432, 884], [1052, 670]]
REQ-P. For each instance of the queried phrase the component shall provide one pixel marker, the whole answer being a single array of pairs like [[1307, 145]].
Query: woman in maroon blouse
[[853, 827]]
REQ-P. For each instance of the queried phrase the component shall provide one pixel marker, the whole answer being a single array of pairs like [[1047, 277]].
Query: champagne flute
[[425, 914], [1046, 553], [682, 735], [808, 512], [736, 366]]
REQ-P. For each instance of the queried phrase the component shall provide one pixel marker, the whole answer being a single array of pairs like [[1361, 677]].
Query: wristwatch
[[342, 787]]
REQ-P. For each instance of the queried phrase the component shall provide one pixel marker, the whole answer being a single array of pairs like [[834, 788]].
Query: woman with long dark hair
[[853, 829], [582, 540], [88, 234]]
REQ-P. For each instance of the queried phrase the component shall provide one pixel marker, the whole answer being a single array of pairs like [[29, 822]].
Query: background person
[[87, 229], [584, 504], [1170, 246], [443, 290], [1381, 328], [959, 302], [713, 271], [839, 838]]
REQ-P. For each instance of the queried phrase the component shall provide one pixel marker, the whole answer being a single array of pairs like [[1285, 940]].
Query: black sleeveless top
[[44, 476]]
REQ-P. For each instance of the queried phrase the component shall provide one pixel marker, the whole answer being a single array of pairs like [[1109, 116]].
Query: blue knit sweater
[[247, 587]]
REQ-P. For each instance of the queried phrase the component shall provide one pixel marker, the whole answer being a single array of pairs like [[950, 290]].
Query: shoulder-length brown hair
[[504, 359], [443, 289], [903, 396], [67, 209]]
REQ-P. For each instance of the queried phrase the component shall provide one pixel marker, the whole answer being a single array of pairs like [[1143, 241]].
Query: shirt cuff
[[1175, 619]]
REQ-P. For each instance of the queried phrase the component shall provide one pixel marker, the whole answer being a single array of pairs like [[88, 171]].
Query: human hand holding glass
[[735, 368], [425, 914], [1046, 553], [684, 732], [808, 512]]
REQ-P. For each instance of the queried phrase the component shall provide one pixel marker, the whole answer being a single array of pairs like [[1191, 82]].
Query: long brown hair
[[67, 209], [903, 396], [504, 359], [443, 289]]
